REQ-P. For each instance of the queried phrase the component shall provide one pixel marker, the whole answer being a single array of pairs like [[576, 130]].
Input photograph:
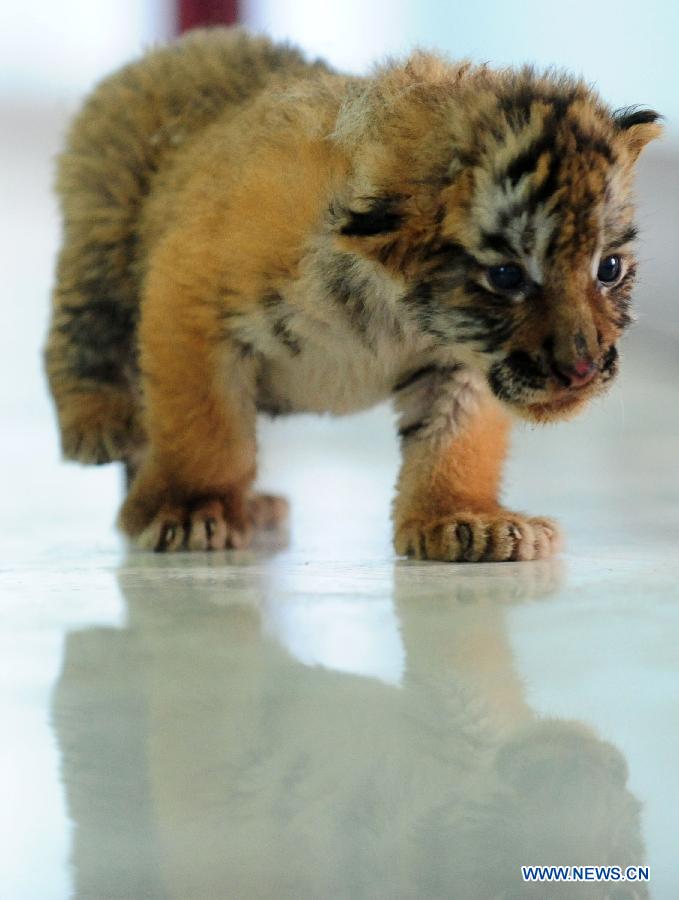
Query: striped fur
[[247, 232]]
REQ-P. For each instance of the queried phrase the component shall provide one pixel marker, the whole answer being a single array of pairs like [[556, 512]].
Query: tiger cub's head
[[504, 203]]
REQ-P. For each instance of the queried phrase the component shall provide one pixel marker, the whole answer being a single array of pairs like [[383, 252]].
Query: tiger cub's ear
[[637, 127]]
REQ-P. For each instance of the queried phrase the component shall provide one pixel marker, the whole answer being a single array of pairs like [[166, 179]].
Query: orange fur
[[461, 473], [245, 232]]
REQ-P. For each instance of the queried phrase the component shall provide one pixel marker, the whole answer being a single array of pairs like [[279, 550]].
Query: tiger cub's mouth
[[538, 391]]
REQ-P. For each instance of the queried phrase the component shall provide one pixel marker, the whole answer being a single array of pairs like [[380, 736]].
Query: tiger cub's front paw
[[501, 536]]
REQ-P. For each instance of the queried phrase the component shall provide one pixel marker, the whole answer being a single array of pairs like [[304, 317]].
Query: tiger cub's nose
[[577, 374]]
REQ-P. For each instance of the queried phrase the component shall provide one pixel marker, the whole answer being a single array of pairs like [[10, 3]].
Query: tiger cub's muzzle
[[539, 387]]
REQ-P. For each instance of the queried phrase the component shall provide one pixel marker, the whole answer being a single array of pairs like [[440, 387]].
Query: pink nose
[[580, 373]]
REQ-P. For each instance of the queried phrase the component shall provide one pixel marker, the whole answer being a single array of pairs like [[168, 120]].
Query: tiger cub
[[246, 232]]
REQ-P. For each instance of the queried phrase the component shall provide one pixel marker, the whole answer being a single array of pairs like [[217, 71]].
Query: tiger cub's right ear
[[638, 127]]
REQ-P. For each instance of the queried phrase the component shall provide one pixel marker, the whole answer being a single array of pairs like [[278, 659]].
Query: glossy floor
[[313, 718]]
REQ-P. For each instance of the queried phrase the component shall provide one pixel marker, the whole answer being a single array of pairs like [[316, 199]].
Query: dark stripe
[[98, 339], [421, 295], [497, 384], [104, 372], [480, 292], [490, 327], [516, 102], [386, 252], [413, 377], [282, 332], [245, 349], [609, 360], [553, 244], [409, 430], [271, 300], [498, 243], [585, 141], [349, 290], [548, 187], [527, 161], [489, 549], [465, 538], [447, 254], [429, 300], [381, 217], [419, 374], [630, 234], [97, 323]]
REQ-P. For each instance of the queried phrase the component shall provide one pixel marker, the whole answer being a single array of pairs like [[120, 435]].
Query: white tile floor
[[313, 718]]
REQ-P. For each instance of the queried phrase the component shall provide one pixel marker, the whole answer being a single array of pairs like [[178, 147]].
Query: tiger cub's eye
[[609, 269], [508, 277]]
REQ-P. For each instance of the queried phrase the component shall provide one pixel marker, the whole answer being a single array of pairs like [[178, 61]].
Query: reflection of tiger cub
[[246, 232]]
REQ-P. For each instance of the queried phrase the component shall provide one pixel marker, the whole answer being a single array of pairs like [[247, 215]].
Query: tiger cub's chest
[[338, 376], [336, 340]]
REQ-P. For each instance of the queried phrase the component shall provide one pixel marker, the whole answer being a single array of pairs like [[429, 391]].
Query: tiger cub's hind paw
[[203, 527], [211, 525], [479, 537], [99, 428]]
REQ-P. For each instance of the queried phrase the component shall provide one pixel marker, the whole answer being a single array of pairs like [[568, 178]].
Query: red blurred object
[[197, 13]]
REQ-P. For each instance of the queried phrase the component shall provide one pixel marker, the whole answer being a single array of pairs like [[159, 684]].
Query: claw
[[500, 537], [167, 534]]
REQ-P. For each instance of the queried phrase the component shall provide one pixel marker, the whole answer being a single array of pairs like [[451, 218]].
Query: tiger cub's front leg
[[454, 437], [192, 490]]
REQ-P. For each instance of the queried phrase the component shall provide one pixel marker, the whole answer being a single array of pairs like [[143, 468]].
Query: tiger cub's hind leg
[[89, 360]]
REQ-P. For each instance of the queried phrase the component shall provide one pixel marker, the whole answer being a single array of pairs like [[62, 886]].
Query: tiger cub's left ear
[[637, 127]]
